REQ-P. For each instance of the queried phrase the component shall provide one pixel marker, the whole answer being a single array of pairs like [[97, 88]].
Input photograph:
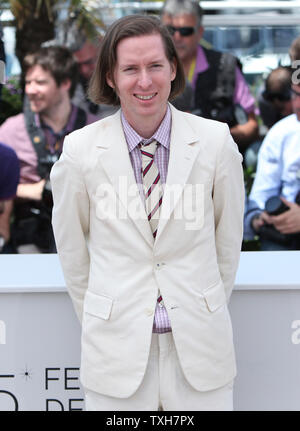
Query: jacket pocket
[[97, 305], [215, 296]]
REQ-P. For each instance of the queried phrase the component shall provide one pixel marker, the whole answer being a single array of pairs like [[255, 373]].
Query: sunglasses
[[282, 97], [294, 93], [183, 31]]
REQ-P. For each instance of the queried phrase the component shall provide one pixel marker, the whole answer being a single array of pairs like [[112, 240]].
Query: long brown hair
[[130, 26]]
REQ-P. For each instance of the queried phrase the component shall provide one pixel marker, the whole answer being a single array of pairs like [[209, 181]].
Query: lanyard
[[192, 70]]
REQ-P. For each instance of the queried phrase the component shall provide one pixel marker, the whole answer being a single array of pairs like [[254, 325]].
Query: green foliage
[[87, 18], [249, 175], [251, 245], [11, 98]]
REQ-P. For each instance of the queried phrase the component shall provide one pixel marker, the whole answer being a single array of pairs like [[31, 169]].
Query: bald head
[[279, 81]]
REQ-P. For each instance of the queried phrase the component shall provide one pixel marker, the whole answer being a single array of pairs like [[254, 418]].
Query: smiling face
[[142, 79], [42, 91]]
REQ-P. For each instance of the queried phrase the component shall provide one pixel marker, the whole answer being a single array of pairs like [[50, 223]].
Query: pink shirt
[[242, 94], [13, 133], [161, 322]]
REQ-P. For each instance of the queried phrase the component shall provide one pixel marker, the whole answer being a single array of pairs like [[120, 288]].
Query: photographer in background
[[220, 89], [37, 137], [275, 102], [278, 175], [85, 53]]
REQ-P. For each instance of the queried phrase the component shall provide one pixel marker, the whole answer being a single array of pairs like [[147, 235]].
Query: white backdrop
[[40, 334]]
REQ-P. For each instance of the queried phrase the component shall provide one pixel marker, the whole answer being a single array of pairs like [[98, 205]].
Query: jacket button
[[149, 311]]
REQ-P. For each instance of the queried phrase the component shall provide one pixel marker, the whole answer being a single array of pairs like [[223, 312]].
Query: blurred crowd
[[56, 103]]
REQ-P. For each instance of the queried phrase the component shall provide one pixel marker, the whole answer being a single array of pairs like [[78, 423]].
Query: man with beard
[[50, 79]]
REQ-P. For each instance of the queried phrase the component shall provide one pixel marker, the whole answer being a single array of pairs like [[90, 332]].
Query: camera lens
[[275, 206]]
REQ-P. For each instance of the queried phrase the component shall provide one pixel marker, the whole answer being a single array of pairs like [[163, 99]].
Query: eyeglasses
[[282, 97], [183, 31]]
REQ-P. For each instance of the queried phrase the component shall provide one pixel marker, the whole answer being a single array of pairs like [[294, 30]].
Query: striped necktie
[[152, 185], [153, 190]]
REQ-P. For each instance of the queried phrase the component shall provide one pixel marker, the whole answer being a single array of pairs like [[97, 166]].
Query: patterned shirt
[[161, 322]]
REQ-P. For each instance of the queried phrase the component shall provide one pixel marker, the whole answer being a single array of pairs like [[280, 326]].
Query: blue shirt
[[278, 168]]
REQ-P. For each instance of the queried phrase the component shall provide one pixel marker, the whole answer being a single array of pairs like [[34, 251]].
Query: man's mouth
[[143, 97]]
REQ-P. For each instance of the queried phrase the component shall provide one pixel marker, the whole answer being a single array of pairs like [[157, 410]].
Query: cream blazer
[[113, 268]]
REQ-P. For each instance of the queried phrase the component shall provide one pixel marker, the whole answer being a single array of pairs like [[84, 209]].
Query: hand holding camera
[[279, 221], [287, 220]]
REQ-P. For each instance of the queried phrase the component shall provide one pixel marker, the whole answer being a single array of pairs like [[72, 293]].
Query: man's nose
[[176, 35], [86, 70], [30, 88], [145, 79]]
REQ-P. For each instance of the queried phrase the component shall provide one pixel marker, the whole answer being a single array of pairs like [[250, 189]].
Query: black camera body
[[273, 207], [32, 224]]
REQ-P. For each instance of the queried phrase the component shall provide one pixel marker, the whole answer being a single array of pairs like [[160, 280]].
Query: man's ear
[[200, 32], [173, 69], [66, 84]]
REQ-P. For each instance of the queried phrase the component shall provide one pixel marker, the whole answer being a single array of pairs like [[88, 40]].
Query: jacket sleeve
[[229, 200], [70, 220]]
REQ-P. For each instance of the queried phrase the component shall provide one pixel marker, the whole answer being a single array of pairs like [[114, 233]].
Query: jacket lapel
[[116, 162], [181, 161]]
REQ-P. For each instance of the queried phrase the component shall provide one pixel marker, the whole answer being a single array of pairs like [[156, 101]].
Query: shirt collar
[[162, 134], [69, 127]]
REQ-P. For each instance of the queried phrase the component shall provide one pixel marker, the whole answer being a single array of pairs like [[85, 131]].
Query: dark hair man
[[150, 268], [220, 90], [85, 52], [37, 137]]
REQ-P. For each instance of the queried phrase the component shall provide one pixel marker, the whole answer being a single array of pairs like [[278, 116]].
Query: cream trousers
[[163, 387]]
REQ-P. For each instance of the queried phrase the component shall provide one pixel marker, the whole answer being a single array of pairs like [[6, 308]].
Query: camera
[[226, 113], [273, 207], [32, 223]]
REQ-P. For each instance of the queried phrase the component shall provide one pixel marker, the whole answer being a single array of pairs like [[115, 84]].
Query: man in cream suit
[[144, 205]]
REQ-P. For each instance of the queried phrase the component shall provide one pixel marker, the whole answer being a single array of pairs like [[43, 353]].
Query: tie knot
[[149, 149]]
